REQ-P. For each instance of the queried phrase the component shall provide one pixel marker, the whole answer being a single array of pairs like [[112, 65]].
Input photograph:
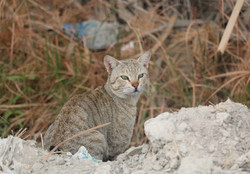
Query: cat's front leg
[[95, 143]]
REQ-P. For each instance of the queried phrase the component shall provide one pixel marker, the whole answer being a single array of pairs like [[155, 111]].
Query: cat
[[114, 102]]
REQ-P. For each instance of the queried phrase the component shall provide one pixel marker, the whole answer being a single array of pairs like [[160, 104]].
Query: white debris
[[82, 153]]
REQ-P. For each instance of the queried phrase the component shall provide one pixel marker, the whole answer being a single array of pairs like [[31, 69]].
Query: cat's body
[[114, 102]]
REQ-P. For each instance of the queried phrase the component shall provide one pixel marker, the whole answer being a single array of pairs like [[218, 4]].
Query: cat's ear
[[110, 63], [144, 59]]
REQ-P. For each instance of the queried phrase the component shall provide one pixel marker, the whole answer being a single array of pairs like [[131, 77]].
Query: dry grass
[[41, 67]]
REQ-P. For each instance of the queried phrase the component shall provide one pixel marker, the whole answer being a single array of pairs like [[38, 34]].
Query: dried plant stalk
[[230, 25], [74, 136]]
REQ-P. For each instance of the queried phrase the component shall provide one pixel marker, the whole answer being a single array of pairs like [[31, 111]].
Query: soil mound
[[204, 139]]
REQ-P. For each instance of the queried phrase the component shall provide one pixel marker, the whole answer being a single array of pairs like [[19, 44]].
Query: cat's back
[[89, 102]]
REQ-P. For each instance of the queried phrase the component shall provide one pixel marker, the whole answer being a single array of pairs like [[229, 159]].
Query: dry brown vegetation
[[41, 67]]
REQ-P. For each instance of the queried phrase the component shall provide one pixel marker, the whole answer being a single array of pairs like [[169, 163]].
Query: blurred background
[[51, 50]]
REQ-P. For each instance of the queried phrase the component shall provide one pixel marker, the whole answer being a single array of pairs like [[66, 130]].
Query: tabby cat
[[114, 102]]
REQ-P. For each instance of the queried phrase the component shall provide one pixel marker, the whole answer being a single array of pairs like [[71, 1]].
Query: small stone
[[211, 148], [183, 127], [175, 163], [223, 117], [183, 150], [126, 170], [225, 133], [104, 169], [61, 162], [52, 158], [122, 157], [68, 163], [139, 172], [37, 166], [157, 167], [68, 153], [240, 124], [145, 148], [134, 150]]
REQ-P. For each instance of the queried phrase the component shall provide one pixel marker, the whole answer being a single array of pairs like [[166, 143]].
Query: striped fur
[[114, 102]]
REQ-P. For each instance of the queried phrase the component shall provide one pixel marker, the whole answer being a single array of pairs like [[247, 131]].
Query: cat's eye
[[125, 77], [140, 76]]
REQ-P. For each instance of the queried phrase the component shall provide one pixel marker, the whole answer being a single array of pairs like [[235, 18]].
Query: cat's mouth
[[136, 91]]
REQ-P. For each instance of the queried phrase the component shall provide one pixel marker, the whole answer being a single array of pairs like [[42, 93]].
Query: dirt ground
[[204, 139]]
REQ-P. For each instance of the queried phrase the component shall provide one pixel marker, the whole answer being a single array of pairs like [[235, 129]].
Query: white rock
[[104, 169], [189, 141], [160, 128], [192, 164]]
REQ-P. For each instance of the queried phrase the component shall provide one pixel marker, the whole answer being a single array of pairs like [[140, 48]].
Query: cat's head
[[127, 77]]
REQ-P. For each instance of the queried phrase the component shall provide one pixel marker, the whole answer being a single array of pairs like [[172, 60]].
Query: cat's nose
[[135, 85]]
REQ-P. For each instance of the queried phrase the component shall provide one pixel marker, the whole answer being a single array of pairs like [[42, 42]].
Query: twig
[[229, 74], [26, 137], [230, 25], [178, 23], [165, 34], [12, 41], [41, 135], [20, 132], [25, 105], [222, 86], [74, 136]]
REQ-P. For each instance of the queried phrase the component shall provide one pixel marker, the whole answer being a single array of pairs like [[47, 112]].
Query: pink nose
[[135, 85]]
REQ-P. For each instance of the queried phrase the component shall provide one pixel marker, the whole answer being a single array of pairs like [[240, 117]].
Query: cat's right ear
[[110, 63], [144, 59]]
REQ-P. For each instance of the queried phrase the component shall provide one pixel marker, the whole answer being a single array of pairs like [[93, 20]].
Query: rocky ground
[[205, 139]]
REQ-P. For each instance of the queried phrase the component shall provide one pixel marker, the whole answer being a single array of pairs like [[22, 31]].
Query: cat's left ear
[[110, 63], [144, 59]]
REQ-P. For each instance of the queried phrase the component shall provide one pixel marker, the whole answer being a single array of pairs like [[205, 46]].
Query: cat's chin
[[134, 93]]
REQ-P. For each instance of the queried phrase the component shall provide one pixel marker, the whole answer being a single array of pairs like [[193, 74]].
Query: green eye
[[140, 76], [125, 77]]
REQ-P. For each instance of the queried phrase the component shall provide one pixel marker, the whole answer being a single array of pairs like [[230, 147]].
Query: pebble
[[61, 162]]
